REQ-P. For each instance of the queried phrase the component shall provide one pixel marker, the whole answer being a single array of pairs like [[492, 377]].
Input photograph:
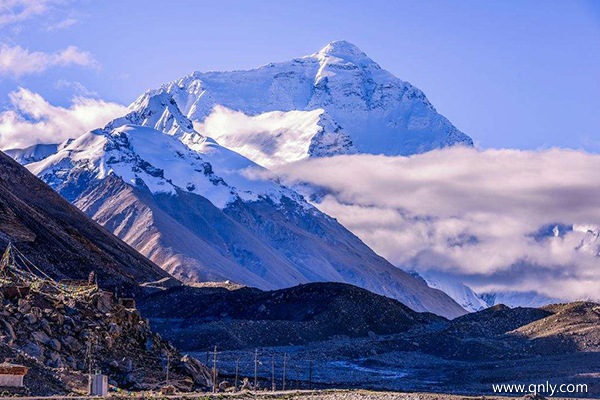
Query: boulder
[[8, 329], [32, 349], [54, 344], [71, 344], [40, 337], [31, 318], [24, 306]]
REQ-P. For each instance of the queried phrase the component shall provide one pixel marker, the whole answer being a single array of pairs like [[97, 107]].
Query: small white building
[[98, 385], [12, 374]]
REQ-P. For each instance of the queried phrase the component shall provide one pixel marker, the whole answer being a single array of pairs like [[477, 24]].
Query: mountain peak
[[341, 49], [377, 112], [156, 109]]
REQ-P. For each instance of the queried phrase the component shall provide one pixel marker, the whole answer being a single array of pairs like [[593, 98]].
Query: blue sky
[[518, 74]]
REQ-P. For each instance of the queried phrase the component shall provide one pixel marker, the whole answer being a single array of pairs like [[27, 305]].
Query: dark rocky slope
[[59, 238], [195, 318]]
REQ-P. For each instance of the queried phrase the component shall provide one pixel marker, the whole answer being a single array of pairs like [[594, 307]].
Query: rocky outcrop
[[68, 339]]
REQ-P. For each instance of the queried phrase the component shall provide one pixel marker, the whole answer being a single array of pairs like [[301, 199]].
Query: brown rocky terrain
[[62, 341], [571, 327]]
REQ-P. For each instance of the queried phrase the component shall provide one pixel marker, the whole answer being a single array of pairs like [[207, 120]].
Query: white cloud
[[33, 120], [16, 61], [471, 213], [13, 11]]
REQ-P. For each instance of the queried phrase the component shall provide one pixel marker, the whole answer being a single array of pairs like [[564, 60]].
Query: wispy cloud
[[77, 87], [13, 11], [63, 24], [16, 61], [471, 213], [33, 120]]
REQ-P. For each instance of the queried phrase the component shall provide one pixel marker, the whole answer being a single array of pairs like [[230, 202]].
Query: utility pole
[[273, 373], [89, 351], [310, 373], [215, 370], [284, 366], [237, 373], [168, 367], [255, 369], [296, 368], [90, 355]]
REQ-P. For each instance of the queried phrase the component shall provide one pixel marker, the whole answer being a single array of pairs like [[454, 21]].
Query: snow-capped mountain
[[458, 291], [188, 202], [590, 243], [517, 299], [190, 205], [34, 153], [335, 101]]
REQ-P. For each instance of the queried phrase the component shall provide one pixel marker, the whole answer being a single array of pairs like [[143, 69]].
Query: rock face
[[195, 318], [65, 340], [60, 239], [336, 101], [194, 208]]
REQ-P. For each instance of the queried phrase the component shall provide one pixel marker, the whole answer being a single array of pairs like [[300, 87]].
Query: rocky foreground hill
[[61, 341]]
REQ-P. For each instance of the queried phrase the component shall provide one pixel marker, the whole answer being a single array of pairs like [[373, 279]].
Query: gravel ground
[[356, 395], [368, 395]]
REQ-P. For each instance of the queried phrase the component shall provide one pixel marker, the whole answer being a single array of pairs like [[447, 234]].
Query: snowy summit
[[335, 101]]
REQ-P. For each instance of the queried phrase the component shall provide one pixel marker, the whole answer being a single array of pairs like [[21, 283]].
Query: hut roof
[[12, 369]]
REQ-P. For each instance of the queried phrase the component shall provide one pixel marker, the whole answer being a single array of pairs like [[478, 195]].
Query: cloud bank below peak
[[470, 214]]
